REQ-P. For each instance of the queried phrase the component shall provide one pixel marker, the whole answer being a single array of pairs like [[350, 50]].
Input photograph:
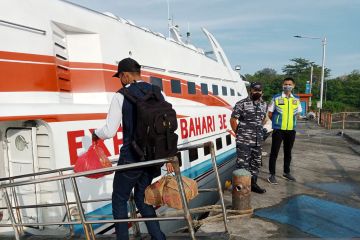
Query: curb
[[354, 143], [351, 139]]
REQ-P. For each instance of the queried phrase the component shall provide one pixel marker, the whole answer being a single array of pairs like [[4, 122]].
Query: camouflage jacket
[[250, 116]]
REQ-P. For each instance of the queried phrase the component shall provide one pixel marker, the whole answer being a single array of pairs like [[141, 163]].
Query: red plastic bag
[[94, 158]]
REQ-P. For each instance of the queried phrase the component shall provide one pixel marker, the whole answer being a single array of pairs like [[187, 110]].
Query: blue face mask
[[287, 88]]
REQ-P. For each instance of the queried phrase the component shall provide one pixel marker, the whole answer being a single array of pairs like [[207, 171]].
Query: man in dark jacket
[[123, 111]]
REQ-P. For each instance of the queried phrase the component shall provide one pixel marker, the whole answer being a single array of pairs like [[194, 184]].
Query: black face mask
[[256, 96]]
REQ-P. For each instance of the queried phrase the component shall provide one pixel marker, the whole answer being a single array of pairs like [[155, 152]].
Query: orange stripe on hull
[[209, 100], [26, 57], [62, 117], [20, 77], [93, 65], [81, 78], [57, 117]]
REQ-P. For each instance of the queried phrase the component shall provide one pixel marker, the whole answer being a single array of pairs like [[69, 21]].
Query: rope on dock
[[213, 209]]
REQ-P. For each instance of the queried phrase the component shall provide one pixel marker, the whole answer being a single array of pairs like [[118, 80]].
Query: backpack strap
[[157, 92], [124, 91], [154, 92], [167, 133], [141, 90]]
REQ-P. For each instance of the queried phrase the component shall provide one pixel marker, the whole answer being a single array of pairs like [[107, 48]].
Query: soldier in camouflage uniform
[[247, 121]]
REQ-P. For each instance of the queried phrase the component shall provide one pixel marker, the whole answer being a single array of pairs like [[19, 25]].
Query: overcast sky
[[256, 34]]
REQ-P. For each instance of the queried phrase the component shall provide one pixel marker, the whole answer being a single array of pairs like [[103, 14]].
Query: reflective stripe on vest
[[288, 107]]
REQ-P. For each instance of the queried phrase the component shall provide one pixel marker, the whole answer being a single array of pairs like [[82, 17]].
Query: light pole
[[323, 40], [311, 80]]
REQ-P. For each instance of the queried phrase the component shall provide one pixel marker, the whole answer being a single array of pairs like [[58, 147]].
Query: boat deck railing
[[8, 188]]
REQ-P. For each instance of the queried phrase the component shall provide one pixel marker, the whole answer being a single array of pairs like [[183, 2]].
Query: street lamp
[[311, 81], [323, 40]]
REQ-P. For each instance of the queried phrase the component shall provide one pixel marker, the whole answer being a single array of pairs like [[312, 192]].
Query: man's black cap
[[127, 65], [256, 86]]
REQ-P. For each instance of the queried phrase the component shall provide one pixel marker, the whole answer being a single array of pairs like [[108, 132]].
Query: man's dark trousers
[[123, 183], [278, 136]]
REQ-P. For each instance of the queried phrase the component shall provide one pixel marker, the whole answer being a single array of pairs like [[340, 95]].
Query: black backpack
[[156, 122]]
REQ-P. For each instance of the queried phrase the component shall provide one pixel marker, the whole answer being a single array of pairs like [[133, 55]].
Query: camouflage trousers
[[249, 158]]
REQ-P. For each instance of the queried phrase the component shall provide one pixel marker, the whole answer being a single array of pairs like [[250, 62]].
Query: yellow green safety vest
[[284, 115]]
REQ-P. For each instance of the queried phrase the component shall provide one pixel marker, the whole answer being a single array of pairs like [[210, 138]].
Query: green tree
[[342, 93], [352, 89], [300, 70], [270, 80], [345, 90], [335, 90]]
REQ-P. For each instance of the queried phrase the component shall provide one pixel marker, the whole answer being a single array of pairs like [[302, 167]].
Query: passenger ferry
[[56, 65]]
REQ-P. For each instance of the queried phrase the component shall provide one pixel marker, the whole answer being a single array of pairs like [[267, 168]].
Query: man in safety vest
[[283, 111]]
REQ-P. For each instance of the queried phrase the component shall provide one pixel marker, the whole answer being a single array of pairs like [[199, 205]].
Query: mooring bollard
[[241, 189]]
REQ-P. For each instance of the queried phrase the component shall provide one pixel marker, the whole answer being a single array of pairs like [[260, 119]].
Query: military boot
[[256, 188]]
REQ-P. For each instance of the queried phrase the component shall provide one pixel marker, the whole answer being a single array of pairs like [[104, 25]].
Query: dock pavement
[[324, 202]]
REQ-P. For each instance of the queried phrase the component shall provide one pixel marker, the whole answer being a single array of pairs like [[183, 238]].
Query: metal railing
[[22, 27], [16, 219], [341, 120], [217, 177]]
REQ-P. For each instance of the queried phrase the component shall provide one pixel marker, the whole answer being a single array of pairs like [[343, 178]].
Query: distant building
[[304, 100]]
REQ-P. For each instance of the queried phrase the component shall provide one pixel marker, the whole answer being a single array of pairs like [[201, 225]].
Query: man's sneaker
[[272, 179], [288, 177]]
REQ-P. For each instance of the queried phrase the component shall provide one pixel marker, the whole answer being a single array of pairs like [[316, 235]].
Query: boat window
[[156, 81], [239, 94], [204, 89], [215, 90], [206, 150], [224, 91], [232, 92], [228, 139], [193, 154], [218, 143], [175, 86], [191, 88], [178, 155]]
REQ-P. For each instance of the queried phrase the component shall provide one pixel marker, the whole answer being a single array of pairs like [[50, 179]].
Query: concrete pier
[[327, 172], [323, 202]]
